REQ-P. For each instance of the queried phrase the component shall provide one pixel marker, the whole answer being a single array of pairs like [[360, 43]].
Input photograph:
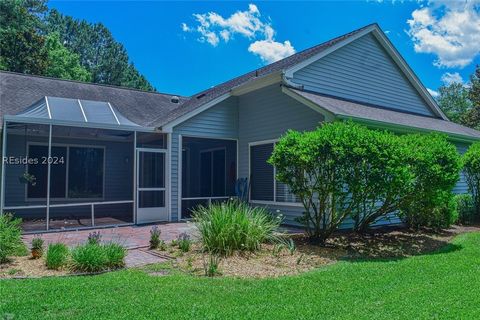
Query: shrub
[[115, 255], [37, 247], [94, 237], [57, 256], [90, 257], [155, 237], [184, 242], [471, 166], [10, 236], [342, 169], [234, 225], [435, 164], [465, 208]]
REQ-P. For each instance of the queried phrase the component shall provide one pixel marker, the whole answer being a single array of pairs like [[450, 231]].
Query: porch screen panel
[[261, 173], [85, 172]]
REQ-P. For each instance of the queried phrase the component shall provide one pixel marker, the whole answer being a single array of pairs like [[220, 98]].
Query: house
[[81, 155]]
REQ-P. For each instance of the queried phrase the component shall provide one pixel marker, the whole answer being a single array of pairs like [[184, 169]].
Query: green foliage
[[57, 256], [10, 236], [436, 165], [471, 169], [89, 257], [155, 233], [465, 208], [115, 255], [61, 63], [454, 102], [211, 265], [472, 117], [227, 227], [37, 243], [184, 242]]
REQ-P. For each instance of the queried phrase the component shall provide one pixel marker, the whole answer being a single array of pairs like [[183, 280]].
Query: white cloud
[[271, 51], [449, 78], [213, 28], [433, 93], [448, 29]]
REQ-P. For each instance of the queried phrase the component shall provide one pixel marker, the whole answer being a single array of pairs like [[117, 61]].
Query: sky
[[188, 46]]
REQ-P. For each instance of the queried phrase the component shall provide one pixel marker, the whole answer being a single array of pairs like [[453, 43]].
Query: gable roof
[[385, 118], [20, 91]]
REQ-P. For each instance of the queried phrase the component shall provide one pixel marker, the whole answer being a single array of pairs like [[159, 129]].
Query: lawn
[[440, 285]]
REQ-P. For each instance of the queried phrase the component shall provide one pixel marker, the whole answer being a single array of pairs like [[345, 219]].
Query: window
[[82, 168], [263, 185]]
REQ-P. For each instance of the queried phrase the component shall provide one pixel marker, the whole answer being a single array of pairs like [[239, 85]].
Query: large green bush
[[471, 167], [435, 164], [10, 236], [225, 228], [342, 169]]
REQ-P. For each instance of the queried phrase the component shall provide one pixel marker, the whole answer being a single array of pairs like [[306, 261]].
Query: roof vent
[[175, 99]]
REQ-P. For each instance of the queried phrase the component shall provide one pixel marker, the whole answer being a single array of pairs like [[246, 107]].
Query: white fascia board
[[167, 128], [257, 83], [329, 116], [290, 71]]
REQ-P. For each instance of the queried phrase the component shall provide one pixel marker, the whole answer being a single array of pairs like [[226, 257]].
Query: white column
[[48, 173], [134, 207], [4, 154]]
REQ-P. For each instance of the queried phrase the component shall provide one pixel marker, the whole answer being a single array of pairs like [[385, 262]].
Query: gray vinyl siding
[[267, 114], [461, 186], [118, 170], [363, 71], [220, 121]]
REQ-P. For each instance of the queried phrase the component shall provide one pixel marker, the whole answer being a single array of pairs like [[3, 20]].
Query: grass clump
[[57, 256], [115, 255], [10, 236], [184, 242], [90, 257], [228, 227]]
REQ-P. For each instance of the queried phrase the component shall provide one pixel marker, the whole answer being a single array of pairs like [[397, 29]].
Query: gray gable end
[[363, 71]]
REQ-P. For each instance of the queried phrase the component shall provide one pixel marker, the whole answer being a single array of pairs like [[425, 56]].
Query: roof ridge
[[91, 83]]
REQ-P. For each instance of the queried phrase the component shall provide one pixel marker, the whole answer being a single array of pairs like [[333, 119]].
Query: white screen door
[[151, 189]]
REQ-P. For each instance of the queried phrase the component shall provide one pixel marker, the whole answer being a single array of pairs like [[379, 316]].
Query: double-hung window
[[263, 185], [76, 172]]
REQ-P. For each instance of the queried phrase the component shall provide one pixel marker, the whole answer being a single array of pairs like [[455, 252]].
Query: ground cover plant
[[442, 284], [10, 236]]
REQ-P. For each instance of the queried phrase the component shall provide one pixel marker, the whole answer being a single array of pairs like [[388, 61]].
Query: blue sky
[[183, 54]]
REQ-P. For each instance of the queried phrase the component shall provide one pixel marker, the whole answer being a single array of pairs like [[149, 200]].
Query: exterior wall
[[266, 114], [220, 121], [461, 186], [364, 72], [118, 173]]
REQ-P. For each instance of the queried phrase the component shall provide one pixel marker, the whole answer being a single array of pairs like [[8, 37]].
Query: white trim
[[169, 126], [4, 151], [169, 175], [83, 111], [48, 108], [78, 204], [257, 83], [179, 177], [49, 171], [277, 203], [329, 116], [134, 182], [113, 111]]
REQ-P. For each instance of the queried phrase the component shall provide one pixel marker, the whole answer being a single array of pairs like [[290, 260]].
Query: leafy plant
[[225, 228], [57, 256], [465, 208], [211, 265], [155, 233], [184, 242], [291, 246], [115, 255], [94, 237], [10, 236], [471, 167], [277, 249], [37, 247], [162, 246], [90, 257]]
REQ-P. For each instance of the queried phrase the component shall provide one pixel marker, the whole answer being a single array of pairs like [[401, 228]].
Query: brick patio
[[131, 237]]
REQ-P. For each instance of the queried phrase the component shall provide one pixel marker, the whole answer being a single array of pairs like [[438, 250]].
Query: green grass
[[441, 285]]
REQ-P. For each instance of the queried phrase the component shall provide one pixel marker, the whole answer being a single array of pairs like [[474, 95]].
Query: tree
[[471, 165], [454, 102], [61, 63], [472, 117], [21, 40]]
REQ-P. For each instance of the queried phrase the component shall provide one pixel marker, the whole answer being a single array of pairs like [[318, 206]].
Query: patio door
[[151, 187]]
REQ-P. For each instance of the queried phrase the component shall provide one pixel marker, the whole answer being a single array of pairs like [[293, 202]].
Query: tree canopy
[[39, 41]]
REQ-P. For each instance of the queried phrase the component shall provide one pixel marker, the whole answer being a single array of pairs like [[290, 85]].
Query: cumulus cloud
[[448, 29], [433, 93], [213, 28], [449, 78]]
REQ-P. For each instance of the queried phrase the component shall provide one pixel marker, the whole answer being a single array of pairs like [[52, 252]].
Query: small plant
[[173, 243], [277, 249], [94, 237], [211, 265], [115, 255], [190, 263], [291, 246], [90, 257], [162, 246], [10, 236], [184, 242], [155, 237], [57, 256], [13, 271], [37, 247]]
